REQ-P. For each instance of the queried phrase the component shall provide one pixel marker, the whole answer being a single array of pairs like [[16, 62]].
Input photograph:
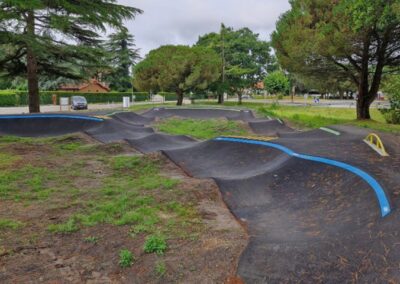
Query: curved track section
[[38, 125], [310, 219], [379, 192]]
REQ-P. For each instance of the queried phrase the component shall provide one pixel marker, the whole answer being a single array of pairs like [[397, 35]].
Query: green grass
[[68, 227], [201, 129], [7, 160], [160, 269], [27, 182], [10, 224], [126, 258], [155, 244], [315, 117], [91, 239]]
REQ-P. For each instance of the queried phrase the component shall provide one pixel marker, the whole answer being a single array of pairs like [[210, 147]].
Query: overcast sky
[[183, 21]]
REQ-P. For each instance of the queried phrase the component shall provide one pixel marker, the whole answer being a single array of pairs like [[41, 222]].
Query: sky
[[183, 21]]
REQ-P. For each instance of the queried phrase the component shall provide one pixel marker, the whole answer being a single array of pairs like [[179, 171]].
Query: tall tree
[[246, 58], [122, 55], [48, 37], [355, 39], [177, 69]]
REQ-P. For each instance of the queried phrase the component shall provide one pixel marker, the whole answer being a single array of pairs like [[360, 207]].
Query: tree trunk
[[364, 101], [341, 94], [240, 98], [293, 93], [32, 68], [180, 98], [363, 108], [221, 98]]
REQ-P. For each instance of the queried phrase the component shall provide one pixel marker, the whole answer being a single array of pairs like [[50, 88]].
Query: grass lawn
[[74, 204], [202, 129], [315, 117]]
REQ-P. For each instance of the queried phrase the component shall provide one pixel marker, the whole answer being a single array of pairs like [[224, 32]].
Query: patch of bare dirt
[[31, 254]]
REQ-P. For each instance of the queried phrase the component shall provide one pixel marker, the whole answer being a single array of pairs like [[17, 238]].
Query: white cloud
[[183, 21]]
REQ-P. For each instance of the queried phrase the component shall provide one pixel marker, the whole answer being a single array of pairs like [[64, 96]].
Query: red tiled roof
[[72, 87]]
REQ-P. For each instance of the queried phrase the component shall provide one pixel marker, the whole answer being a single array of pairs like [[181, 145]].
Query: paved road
[[53, 108]]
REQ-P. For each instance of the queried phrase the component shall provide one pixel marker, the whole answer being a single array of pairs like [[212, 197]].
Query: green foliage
[[246, 58], [168, 96], [201, 129], [177, 69], [277, 83], [340, 41], [126, 258], [62, 38], [391, 115], [122, 54], [6, 224], [392, 88], [156, 244]]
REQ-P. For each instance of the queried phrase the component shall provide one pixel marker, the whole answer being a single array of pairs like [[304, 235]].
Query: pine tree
[[122, 55], [50, 37]]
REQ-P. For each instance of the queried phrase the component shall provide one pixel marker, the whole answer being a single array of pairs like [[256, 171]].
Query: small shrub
[[155, 243], [126, 258], [391, 116]]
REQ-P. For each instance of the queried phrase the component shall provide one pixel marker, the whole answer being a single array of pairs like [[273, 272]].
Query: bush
[[8, 99], [126, 258], [169, 96], [391, 115], [392, 88], [155, 243]]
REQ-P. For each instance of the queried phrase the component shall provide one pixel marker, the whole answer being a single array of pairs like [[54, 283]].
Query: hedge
[[169, 96], [20, 98]]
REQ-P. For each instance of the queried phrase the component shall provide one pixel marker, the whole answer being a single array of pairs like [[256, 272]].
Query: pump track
[[319, 207]]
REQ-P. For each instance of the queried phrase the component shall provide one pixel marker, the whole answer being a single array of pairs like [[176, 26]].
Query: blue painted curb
[[33, 116], [379, 192]]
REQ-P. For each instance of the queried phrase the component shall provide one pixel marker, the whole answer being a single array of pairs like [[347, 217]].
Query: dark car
[[78, 102]]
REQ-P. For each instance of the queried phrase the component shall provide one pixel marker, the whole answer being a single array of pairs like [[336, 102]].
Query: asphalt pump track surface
[[318, 207]]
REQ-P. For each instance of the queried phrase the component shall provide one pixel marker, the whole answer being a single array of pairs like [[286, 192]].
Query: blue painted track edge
[[379, 191], [33, 116]]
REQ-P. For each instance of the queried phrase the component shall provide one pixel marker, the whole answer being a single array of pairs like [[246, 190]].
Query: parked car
[[246, 97], [78, 102]]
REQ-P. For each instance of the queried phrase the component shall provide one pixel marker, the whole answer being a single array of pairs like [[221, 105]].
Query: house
[[259, 85], [91, 86]]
